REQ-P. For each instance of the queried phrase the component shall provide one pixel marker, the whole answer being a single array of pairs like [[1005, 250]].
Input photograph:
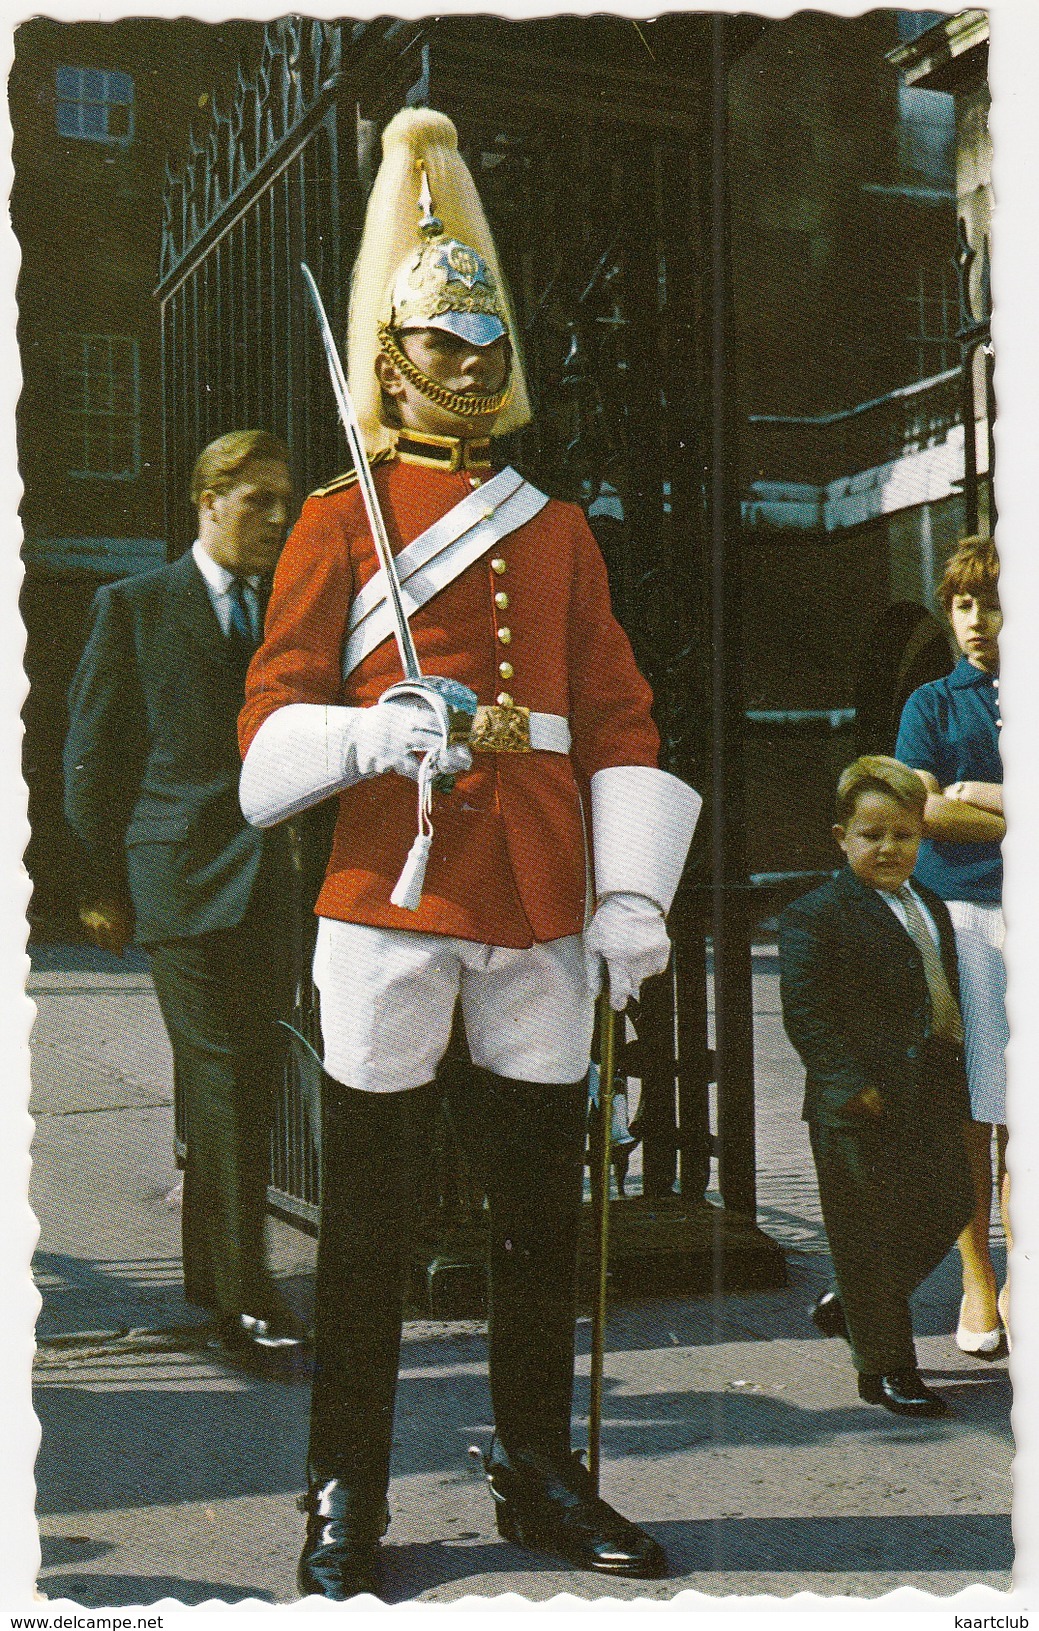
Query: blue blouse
[[951, 728]]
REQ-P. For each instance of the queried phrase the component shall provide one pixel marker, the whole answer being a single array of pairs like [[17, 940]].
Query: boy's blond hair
[[877, 773]]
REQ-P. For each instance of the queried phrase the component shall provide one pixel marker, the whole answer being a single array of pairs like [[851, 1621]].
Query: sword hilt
[[454, 704]]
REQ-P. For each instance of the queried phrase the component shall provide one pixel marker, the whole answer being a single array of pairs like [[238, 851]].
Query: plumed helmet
[[417, 269]]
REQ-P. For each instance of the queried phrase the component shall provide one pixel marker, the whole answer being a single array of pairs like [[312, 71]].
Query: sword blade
[[355, 441]]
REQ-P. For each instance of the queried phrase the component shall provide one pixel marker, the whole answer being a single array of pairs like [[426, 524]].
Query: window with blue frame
[[934, 316], [94, 105], [102, 407]]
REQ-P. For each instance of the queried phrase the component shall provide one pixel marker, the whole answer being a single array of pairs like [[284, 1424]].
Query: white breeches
[[388, 998]]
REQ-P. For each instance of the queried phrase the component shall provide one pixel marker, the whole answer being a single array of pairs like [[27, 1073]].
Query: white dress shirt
[[218, 582]]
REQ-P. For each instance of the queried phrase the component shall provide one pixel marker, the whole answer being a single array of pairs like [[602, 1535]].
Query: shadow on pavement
[[666, 1424], [903, 1544], [124, 1590], [127, 1446], [58, 1549], [82, 1294], [412, 1569], [198, 1434], [117, 1590]]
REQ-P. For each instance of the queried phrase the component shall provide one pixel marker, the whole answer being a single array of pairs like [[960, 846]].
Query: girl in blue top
[[949, 735]]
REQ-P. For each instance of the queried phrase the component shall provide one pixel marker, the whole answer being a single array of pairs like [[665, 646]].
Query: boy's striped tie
[[947, 1020]]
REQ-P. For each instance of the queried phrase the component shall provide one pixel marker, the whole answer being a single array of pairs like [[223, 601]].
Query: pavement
[[731, 1429]]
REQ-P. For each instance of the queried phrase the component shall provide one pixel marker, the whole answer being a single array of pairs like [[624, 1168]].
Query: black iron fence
[[274, 182]]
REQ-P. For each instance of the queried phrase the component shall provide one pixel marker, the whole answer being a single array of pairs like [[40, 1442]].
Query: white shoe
[[985, 1343]]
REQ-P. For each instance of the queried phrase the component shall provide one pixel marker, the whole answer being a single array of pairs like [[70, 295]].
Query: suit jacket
[[507, 866], [151, 757], [856, 1004]]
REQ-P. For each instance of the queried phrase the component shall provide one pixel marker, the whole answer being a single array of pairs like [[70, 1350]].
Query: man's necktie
[[947, 1020], [240, 624]]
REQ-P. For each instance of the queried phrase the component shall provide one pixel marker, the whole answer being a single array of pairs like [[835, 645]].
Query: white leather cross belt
[[439, 555]]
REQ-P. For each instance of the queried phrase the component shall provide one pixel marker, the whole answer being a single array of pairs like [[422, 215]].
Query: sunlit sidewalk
[[731, 1429]]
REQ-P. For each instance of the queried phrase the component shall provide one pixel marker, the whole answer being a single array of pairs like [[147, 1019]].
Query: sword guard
[[454, 704]]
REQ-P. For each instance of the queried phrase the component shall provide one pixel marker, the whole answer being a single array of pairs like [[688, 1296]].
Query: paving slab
[[731, 1428]]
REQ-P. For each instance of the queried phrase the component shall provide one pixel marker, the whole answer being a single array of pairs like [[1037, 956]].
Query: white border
[[1015, 125]]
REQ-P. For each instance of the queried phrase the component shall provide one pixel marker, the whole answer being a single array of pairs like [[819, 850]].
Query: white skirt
[[983, 992]]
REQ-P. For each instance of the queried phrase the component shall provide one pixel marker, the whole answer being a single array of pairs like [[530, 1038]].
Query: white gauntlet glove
[[395, 734], [628, 934], [305, 752]]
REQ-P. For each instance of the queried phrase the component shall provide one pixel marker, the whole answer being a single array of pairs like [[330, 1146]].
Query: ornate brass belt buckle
[[500, 729]]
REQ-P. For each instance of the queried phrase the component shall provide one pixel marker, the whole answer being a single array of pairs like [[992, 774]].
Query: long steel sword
[[355, 440]]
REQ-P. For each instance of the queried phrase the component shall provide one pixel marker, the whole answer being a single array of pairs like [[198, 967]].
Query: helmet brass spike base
[[429, 224]]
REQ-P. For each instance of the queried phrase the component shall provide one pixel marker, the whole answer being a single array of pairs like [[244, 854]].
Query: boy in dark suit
[[151, 794], [870, 986]]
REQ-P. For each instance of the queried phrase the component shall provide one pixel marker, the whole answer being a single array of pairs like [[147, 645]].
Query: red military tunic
[[507, 866]]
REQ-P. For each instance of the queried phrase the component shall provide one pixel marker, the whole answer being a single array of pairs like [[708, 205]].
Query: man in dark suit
[[151, 792], [869, 984]]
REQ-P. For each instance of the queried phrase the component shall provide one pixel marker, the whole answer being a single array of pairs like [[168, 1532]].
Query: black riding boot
[[374, 1151], [548, 1503], [340, 1557], [533, 1138]]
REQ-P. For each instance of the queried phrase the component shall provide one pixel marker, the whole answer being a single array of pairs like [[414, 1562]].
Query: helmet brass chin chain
[[467, 404]]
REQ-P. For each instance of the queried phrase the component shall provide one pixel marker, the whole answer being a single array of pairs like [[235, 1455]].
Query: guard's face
[[244, 528], [880, 840], [456, 364], [976, 621]]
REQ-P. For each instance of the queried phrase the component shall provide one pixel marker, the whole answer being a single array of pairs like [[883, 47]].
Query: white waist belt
[[550, 733]]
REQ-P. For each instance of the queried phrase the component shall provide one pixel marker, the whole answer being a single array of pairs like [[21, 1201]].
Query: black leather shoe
[[274, 1348], [905, 1392], [239, 1333], [548, 1504], [340, 1557], [828, 1316]]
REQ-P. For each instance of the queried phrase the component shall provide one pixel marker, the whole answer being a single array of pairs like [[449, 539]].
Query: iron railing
[[274, 182]]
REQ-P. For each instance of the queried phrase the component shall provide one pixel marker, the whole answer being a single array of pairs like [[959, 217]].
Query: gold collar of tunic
[[444, 452]]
